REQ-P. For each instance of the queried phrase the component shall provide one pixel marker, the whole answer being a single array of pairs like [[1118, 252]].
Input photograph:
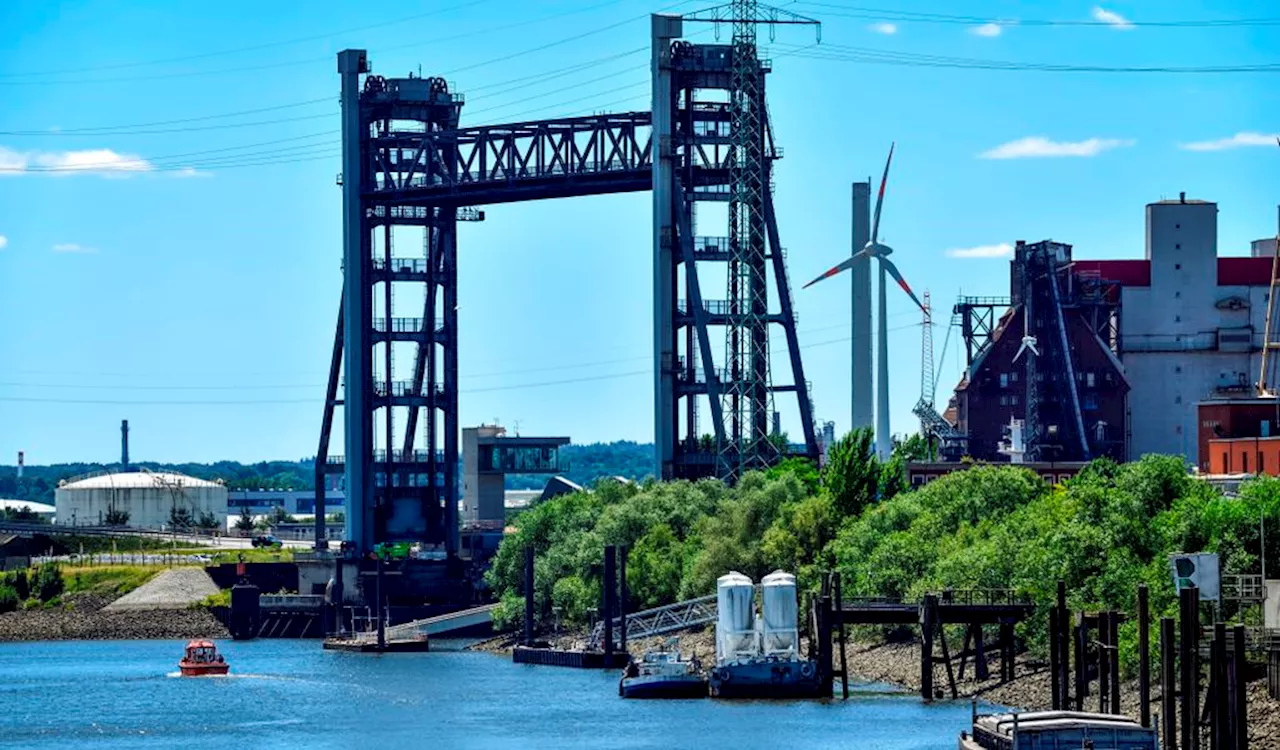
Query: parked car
[[266, 540]]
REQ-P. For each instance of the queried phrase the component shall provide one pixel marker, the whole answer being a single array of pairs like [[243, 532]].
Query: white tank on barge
[[759, 656]]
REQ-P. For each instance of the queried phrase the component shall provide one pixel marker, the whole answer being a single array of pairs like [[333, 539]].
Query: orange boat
[[202, 658]]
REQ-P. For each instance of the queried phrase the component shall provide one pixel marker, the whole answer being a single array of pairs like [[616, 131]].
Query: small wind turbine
[[880, 252]]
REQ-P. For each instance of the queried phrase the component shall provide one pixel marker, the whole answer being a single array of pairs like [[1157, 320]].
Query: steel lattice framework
[[408, 166]]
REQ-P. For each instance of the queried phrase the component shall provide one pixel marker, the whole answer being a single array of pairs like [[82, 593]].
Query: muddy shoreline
[[81, 617]]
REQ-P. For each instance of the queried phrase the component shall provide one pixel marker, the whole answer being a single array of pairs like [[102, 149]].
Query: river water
[[290, 694]]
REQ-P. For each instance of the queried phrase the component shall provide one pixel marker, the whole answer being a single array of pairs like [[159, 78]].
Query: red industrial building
[[1239, 436]]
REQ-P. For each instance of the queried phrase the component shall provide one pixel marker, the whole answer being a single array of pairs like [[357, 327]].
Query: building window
[[1226, 462], [1177, 266], [1004, 380], [1244, 462], [1089, 379], [1177, 399], [1177, 246], [1013, 376], [1177, 368], [1091, 401], [1013, 400], [1177, 319], [1177, 295]]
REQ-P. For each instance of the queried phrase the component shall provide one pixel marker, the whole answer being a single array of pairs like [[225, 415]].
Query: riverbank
[[84, 617]]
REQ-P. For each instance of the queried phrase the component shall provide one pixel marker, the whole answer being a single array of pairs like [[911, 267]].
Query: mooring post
[[1189, 604], [1055, 667], [1082, 655], [610, 587], [382, 604], [1218, 730], [1114, 618], [1144, 656], [1104, 664], [1168, 703], [1241, 684], [1006, 651], [839, 615], [622, 598], [928, 615], [824, 644], [1062, 644], [528, 595]]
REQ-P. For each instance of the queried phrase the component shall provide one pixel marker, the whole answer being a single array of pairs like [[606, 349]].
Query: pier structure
[[412, 171]]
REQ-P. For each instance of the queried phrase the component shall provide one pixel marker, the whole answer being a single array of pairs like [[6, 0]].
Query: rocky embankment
[[82, 617], [899, 664]]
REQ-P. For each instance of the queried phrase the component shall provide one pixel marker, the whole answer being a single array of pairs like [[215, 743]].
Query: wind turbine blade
[[893, 271], [875, 224], [848, 263]]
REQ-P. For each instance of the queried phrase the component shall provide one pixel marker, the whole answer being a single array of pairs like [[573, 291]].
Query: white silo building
[[148, 497]]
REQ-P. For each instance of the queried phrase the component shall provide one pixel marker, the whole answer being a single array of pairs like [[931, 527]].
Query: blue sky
[[189, 277]]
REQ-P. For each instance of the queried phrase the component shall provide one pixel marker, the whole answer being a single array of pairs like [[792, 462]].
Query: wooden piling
[[1104, 664], [1168, 703], [622, 598], [1189, 611], [1240, 672], [928, 624], [1006, 651], [1113, 625], [610, 589], [1082, 657], [1219, 728], [1055, 667], [1062, 676], [844, 663], [529, 595], [1144, 656]]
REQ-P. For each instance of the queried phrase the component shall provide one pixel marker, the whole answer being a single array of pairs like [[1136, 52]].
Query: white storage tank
[[149, 498], [735, 617], [780, 633]]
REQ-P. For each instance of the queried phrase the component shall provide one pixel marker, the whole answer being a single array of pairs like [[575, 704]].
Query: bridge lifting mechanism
[[410, 170]]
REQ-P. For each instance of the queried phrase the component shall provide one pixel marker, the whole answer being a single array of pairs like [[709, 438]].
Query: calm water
[[291, 694]]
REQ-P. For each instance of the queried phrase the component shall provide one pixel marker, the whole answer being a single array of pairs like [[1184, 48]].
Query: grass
[[107, 580], [251, 555]]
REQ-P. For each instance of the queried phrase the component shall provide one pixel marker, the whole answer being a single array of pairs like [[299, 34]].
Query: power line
[[883, 14], [887, 57], [249, 48]]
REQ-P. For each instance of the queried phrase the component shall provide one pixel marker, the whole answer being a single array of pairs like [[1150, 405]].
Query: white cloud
[[1002, 250], [1035, 147], [3, 241], [888, 29], [71, 247], [101, 161], [1239, 140], [1111, 18], [987, 29], [191, 172]]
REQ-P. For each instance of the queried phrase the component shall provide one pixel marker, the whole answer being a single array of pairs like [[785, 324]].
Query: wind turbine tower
[[860, 275]]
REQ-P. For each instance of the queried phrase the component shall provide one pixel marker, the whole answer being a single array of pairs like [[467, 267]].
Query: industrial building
[[1140, 345], [294, 502], [148, 497], [488, 455]]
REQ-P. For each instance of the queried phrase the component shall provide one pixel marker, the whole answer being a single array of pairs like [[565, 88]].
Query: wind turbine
[[880, 252]]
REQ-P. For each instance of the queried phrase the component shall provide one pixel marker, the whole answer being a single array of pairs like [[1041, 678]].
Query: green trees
[[180, 518], [852, 473], [116, 517], [207, 521], [244, 522]]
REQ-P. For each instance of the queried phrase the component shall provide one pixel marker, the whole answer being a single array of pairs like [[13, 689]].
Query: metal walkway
[[679, 616], [437, 625]]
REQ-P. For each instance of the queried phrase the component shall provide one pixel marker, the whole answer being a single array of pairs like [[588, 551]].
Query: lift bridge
[[407, 162]]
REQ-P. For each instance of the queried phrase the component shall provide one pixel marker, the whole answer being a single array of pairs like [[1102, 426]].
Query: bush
[[47, 583], [116, 517], [20, 584], [9, 598]]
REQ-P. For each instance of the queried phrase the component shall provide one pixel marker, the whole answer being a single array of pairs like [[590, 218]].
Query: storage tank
[[780, 632], [735, 612], [149, 498]]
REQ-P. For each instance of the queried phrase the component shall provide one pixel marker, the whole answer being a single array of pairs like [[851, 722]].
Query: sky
[[166, 264]]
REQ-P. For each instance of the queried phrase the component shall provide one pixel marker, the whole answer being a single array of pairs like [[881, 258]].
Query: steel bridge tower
[[715, 146]]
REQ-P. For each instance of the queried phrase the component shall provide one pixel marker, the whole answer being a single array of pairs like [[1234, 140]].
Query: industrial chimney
[[20, 458], [124, 445]]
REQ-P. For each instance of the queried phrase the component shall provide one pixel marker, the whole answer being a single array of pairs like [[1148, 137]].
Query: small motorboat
[[201, 659], [663, 674]]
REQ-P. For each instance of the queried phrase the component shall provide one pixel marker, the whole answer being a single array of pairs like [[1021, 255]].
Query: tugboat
[[1057, 729], [201, 659], [663, 674]]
